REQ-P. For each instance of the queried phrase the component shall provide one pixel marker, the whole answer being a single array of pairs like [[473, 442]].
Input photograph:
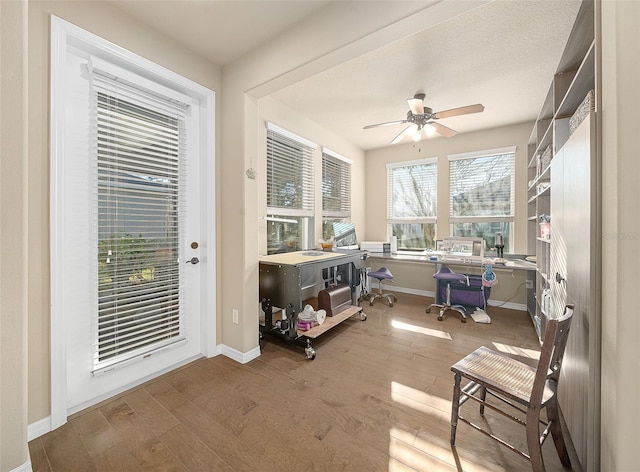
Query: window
[[139, 142], [481, 193], [411, 203], [290, 192], [336, 191]]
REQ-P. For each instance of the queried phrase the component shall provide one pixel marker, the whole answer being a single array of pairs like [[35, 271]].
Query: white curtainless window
[[290, 190], [412, 203], [336, 190], [482, 196]]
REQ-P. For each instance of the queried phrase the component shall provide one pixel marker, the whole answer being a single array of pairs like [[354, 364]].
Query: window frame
[[304, 213], [394, 219], [342, 166], [485, 219]]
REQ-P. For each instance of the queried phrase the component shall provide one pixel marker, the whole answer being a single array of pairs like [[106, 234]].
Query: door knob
[[193, 260]]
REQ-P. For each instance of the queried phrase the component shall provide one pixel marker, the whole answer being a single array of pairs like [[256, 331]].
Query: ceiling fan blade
[[443, 130], [397, 122], [408, 131], [459, 111], [416, 105]]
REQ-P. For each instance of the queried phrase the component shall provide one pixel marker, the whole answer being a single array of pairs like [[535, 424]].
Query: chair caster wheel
[[310, 352]]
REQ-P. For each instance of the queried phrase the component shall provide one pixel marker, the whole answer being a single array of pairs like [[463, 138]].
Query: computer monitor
[[344, 235]]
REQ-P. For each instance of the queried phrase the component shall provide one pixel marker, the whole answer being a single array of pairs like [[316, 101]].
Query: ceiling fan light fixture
[[420, 118], [429, 130]]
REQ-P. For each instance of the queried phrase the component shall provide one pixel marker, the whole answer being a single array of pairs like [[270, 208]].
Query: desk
[[286, 280], [412, 274], [516, 263]]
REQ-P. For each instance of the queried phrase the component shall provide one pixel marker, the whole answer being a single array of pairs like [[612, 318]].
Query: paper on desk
[[480, 316]]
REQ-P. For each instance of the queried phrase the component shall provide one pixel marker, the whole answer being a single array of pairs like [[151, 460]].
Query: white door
[[126, 231]]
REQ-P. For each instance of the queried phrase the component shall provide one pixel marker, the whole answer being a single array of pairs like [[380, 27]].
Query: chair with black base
[[527, 389]]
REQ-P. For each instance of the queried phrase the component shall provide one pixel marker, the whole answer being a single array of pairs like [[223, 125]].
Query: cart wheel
[[310, 352], [363, 316]]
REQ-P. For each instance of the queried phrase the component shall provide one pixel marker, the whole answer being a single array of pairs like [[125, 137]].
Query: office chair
[[519, 385], [382, 274], [446, 275]]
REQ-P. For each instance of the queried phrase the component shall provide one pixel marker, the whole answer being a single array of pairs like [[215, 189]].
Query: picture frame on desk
[[439, 244]]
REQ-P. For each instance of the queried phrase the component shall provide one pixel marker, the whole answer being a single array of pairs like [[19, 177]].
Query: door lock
[[193, 260]]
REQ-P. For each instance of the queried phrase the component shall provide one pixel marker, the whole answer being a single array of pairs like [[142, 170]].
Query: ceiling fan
[[423, 119]]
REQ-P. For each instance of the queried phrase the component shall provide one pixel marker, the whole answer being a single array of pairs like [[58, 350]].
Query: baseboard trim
[[241, 357], [426, 293], [38, 428], [511, 306], [26, 467]]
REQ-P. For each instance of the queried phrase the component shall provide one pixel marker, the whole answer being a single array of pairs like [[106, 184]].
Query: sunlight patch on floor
[[418, 400], [421, 329], [403, 456]]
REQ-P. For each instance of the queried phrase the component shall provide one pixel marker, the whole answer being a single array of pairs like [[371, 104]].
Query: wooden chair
[[527, 389]]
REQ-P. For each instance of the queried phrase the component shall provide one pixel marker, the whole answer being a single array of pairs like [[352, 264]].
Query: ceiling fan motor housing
[[422, 119]]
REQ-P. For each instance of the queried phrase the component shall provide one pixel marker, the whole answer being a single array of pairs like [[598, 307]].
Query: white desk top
[[516, 263]]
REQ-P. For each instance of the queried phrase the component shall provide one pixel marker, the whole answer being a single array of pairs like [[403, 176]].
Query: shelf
[[582, 83], [573, 79], [330, 322], [544, 176]]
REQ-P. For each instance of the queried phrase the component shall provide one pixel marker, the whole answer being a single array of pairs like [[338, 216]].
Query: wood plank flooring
[[376, 398]]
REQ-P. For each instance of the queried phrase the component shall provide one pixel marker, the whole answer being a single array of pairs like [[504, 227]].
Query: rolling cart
[[287, 280]]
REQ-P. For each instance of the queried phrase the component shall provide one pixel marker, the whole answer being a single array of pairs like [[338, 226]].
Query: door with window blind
[[131, 225], [139, 186]]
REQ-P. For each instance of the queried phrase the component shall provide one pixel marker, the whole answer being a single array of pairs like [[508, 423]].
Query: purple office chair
[[382, 274], [446, 276]]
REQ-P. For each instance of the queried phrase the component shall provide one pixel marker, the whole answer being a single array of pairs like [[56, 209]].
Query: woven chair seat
[[501, 372]]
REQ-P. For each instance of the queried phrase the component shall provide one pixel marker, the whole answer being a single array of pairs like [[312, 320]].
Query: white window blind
[[289, 173], [412, 191], [482, 185], [336, 185], [139, 143]]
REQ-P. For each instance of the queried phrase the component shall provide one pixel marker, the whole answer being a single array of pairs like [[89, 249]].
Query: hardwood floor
[[376, 398]]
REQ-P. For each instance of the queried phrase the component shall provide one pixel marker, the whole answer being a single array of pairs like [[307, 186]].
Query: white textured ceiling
[[221, 30], [502, 54]]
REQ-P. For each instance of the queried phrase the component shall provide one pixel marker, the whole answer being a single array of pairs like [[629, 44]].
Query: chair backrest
[[552, 353]]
